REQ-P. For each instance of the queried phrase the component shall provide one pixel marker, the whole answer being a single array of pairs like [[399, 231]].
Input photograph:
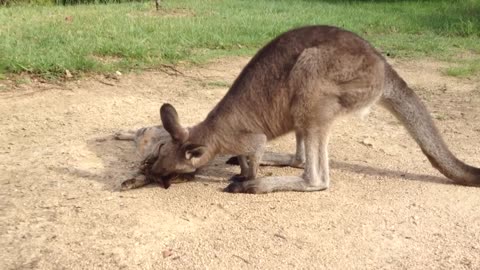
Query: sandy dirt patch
[[387, 207]]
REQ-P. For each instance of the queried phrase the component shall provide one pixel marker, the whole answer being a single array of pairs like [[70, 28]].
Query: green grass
[[465, 69], [46, 40]]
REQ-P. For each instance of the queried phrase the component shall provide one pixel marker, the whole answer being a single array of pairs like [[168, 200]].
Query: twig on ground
[[106, 83], [244, 260], [171, 70]]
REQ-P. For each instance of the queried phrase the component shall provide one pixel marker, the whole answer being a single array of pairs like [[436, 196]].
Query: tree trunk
[[157, 4]]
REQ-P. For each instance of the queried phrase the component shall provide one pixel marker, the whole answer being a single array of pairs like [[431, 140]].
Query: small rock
[[118, 73], [167, 253], [68, 74], [367, 142]]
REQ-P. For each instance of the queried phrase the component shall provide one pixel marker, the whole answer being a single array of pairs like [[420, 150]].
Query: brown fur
[[301, 81], [147, 141]]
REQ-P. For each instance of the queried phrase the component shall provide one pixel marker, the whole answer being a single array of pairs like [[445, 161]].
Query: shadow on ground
[[120, 161]]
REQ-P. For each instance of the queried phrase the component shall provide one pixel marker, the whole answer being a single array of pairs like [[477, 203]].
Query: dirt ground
[[387, 207]]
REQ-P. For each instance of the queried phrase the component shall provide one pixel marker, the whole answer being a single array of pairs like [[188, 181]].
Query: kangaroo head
[[178, 155]]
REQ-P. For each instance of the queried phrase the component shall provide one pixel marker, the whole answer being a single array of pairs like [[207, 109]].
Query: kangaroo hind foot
[[272, 184]]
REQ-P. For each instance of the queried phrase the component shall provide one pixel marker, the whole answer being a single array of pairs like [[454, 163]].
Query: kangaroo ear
[[170, 122], [194, 151]]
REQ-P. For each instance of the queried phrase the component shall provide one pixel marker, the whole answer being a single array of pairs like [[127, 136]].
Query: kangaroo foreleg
[[280, 159], [251, 148], [244, 169]]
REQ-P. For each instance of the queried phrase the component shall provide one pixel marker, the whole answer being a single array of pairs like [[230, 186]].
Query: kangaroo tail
[[409, 109]]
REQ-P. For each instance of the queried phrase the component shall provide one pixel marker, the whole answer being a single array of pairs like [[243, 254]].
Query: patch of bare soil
[[167, 13], [387, 207]]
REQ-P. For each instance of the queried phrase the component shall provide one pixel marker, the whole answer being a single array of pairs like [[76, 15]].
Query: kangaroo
[[301, 81], [147, 142]]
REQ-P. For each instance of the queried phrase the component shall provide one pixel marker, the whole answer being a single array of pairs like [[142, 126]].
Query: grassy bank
[[47, 40]]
